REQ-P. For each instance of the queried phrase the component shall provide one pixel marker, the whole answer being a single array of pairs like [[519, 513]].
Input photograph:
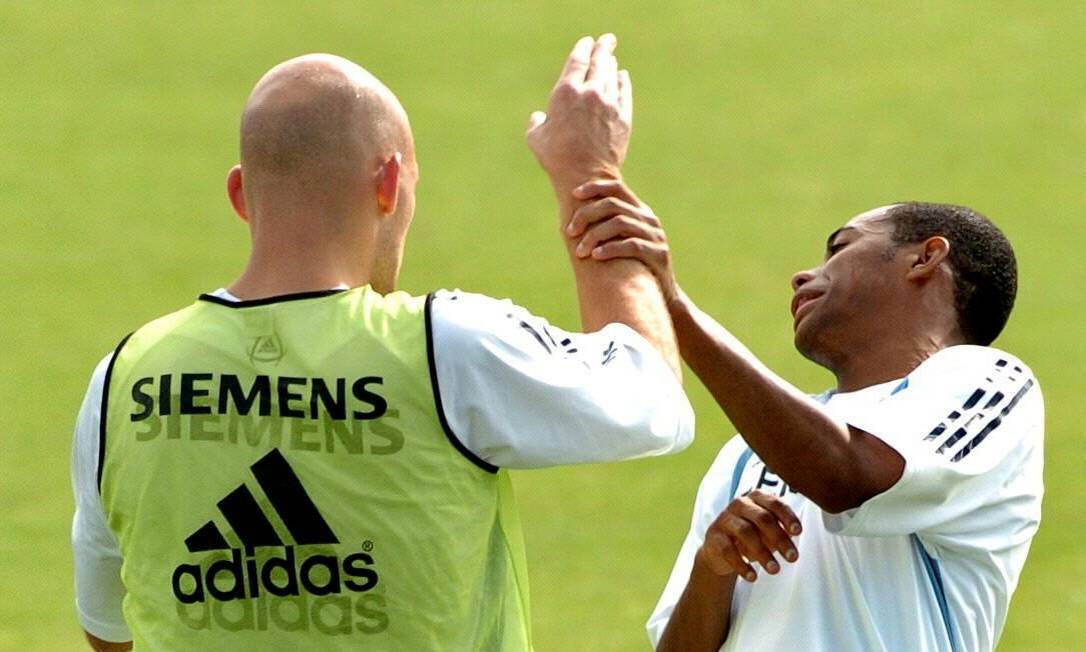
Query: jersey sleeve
[[713, 497], [969, 423], [518, 392], [99, 591]]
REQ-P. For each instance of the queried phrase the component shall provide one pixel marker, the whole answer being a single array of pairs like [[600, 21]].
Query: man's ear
[[931, 254], [236, 193], [388, 184]]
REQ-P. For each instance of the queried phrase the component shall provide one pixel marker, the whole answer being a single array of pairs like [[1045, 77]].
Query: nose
[[799, 279]]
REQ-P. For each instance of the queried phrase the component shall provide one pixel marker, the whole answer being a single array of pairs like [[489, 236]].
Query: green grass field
[[760, 127]]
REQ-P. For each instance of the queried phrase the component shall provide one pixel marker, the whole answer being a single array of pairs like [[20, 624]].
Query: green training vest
[[280, 476]]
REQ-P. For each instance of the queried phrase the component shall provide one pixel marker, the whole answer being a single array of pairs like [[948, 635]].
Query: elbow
[[99, 645], [837, 502], [668, 424], [848, 490], [833, 497], [683, 428], [866, 469]]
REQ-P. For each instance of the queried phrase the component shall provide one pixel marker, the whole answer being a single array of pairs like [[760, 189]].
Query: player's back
[[278, 477]]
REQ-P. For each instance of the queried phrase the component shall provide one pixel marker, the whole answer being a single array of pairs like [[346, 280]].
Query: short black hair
[[985, 271]]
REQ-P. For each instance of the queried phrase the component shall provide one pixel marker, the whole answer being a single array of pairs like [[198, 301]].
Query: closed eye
[[834, 248]]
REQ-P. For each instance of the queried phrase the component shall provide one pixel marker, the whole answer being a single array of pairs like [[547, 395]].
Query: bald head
[[315, 127]]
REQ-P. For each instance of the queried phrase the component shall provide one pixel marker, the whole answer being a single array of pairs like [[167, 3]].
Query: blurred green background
[[760, 127]]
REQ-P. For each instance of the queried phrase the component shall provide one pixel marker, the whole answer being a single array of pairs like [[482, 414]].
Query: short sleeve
[[99, 591], [518, 392], [713, 497], [969, 423]]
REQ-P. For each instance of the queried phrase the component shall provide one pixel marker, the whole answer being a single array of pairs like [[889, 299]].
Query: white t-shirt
[[516, 391], [928, 565]]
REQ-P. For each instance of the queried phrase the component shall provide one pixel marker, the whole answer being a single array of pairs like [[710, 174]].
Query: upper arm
[[968, 425], [877, 465], [97, 556], [520, 393]]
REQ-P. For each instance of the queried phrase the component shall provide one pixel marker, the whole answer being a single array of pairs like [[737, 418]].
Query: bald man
[[308, 459]]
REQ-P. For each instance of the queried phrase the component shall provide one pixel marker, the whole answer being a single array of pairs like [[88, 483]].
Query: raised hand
[[614, 223], [586, 130]]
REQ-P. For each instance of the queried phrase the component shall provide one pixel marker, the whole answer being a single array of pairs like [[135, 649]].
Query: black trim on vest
[[453, 439], [297, 296], [105, 410]]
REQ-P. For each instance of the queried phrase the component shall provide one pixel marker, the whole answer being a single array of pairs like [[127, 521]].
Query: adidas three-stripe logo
[[233, 573], [977, 418], [287, 496]]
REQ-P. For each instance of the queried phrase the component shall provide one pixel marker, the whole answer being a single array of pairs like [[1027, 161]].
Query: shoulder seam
[[432, 363], [105, 410]]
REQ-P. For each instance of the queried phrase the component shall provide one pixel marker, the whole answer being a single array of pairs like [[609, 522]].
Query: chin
[[807, 343]]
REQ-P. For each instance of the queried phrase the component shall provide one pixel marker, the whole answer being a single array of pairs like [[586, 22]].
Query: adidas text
[[236, 578]]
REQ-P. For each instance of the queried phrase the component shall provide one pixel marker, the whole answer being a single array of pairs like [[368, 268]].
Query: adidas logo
[[241, 577], [609, 354], [266, 349]]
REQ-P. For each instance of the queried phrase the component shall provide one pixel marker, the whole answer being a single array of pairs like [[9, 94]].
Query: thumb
[[537, 118]]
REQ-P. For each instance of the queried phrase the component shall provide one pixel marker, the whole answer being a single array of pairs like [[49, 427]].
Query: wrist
[[564, 181], [704, 573], [676, 300]]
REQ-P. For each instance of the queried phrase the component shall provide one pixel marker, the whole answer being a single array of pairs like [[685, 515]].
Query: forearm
[[789, 431], [701, 617], [623, 291]]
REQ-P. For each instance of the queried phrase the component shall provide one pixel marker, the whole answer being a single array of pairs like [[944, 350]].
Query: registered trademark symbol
[[367, 545]]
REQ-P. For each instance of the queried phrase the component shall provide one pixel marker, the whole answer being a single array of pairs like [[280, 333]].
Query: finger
[[723, 558], [537, 118], [605, 188], [602, 52], [618, 227], [778, 523], [747, 538], [780, 509], [607, 78], [652, 254], [602, 209], [625, 96], [577, 62]]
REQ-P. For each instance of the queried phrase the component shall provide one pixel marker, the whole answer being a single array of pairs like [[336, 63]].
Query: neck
[[885, 361], [291, 261]]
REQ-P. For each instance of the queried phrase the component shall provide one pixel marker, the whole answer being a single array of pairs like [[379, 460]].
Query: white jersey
[[516, 391], [930, 564]]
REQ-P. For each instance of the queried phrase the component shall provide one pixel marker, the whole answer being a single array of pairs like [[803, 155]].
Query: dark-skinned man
[[893, 512]]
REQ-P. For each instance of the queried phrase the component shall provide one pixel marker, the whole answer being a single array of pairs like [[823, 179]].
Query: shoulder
[[468, 310], [465, 321], [459, 317], [95, 387], [99, 373], [978, 374], [970, 360]]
